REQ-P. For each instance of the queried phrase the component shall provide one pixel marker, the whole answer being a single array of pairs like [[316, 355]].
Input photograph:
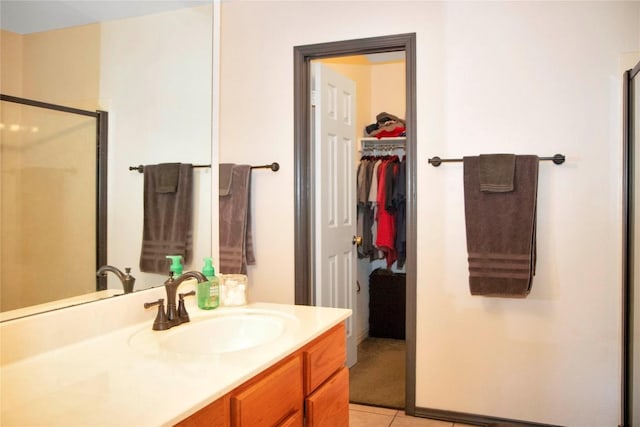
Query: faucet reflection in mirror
[[126, 278], [174, 315]]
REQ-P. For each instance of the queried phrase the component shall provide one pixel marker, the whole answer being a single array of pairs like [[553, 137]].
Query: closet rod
[[383, 147], [273, 166], [558, 159]]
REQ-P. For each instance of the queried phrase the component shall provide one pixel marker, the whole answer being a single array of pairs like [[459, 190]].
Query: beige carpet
[[378, 379]]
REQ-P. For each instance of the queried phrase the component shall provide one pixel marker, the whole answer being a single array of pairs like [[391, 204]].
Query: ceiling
[[29, 16]]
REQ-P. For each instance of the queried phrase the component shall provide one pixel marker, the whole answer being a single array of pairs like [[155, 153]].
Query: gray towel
[[167, 219], [501, 231], [236, 245], [496, 172], [224, 179], [166, 177]]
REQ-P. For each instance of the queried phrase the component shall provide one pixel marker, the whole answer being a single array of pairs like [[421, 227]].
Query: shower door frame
[[102, 137], [629, 286]]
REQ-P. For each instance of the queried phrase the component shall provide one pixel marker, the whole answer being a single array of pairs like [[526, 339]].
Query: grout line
[[393, 419]]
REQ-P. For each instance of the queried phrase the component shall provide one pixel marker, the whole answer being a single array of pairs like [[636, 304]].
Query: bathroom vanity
[[312, 379], [101, 364]]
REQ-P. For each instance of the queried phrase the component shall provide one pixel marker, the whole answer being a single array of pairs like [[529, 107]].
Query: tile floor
[[371, 416]]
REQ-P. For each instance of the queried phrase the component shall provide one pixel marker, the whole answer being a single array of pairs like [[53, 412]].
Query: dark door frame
[[303, 171]]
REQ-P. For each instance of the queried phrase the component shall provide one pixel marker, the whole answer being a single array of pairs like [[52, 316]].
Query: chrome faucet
[[171, 286], [126, 279]]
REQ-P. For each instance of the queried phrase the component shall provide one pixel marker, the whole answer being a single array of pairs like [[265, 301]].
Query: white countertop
[[57, 304], [104, 381]]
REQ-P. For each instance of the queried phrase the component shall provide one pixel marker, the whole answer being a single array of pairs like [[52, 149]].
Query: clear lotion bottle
[[209, 291]]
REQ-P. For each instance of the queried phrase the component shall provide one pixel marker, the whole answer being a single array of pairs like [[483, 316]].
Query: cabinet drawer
[[329, 404], [263, 402], [294, 420], [212, 415], [323, 357]]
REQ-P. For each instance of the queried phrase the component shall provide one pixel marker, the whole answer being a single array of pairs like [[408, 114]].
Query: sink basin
[[224, 332]]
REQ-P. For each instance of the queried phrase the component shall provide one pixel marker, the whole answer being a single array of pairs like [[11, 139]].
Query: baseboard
[[363, 335], [473, 419]]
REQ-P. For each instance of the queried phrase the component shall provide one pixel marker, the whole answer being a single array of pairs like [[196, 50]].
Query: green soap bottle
[[176, 264], [209, 291]]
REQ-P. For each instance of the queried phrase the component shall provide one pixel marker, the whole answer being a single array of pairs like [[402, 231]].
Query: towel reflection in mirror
[[168, 215]]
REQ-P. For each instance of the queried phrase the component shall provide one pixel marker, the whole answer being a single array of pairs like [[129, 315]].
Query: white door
[[335, 195]]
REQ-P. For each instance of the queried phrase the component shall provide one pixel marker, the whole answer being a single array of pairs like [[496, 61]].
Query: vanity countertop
[[103, 380], [54, 305]]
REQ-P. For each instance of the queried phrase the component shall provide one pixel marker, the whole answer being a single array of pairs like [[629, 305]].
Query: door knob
[[357, 240]]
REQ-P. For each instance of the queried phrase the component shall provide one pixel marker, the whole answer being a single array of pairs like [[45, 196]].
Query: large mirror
[[149, 65]]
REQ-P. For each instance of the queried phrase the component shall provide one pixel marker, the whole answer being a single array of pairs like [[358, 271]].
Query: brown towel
[[224, 179], [501, 238], [167, 218], [166, 176], [496, 172], [236, 245]]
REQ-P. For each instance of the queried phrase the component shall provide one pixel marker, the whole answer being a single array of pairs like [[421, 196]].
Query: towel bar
[[140, 168], [436, 161], [273, 166]]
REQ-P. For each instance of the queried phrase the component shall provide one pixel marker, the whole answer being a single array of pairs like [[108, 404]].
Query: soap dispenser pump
[[209, 291], [208, 269], [176, 264]]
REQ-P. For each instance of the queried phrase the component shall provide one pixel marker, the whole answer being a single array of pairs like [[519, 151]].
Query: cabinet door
[[212, 415], [329, 404], [271, 398], [323, 357]]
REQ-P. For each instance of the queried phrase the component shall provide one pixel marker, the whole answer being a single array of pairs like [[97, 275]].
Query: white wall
[[523, 77], [156, 83], [388, 89]]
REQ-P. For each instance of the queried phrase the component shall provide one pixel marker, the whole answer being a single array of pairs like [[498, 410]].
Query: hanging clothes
[[385, 240], [365, 215], [372, 251], [381, 214], [399, 203]]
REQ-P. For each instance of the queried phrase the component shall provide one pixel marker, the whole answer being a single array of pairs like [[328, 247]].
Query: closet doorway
[[308, 288]]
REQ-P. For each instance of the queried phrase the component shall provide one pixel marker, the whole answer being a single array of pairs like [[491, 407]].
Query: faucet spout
[[171, 286], [126, 278]]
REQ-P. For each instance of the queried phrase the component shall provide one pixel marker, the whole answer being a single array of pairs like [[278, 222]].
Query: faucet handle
[[182, 310], [160, 323]]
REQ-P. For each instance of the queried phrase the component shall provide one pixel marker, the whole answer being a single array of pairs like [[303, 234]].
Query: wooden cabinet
[[295, 420], [326, 380], [323, 357], [212, 415], [271, 398], [329, 404], [308, 388]]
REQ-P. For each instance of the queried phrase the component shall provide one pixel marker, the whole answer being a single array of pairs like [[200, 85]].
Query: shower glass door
[[48, 205]]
